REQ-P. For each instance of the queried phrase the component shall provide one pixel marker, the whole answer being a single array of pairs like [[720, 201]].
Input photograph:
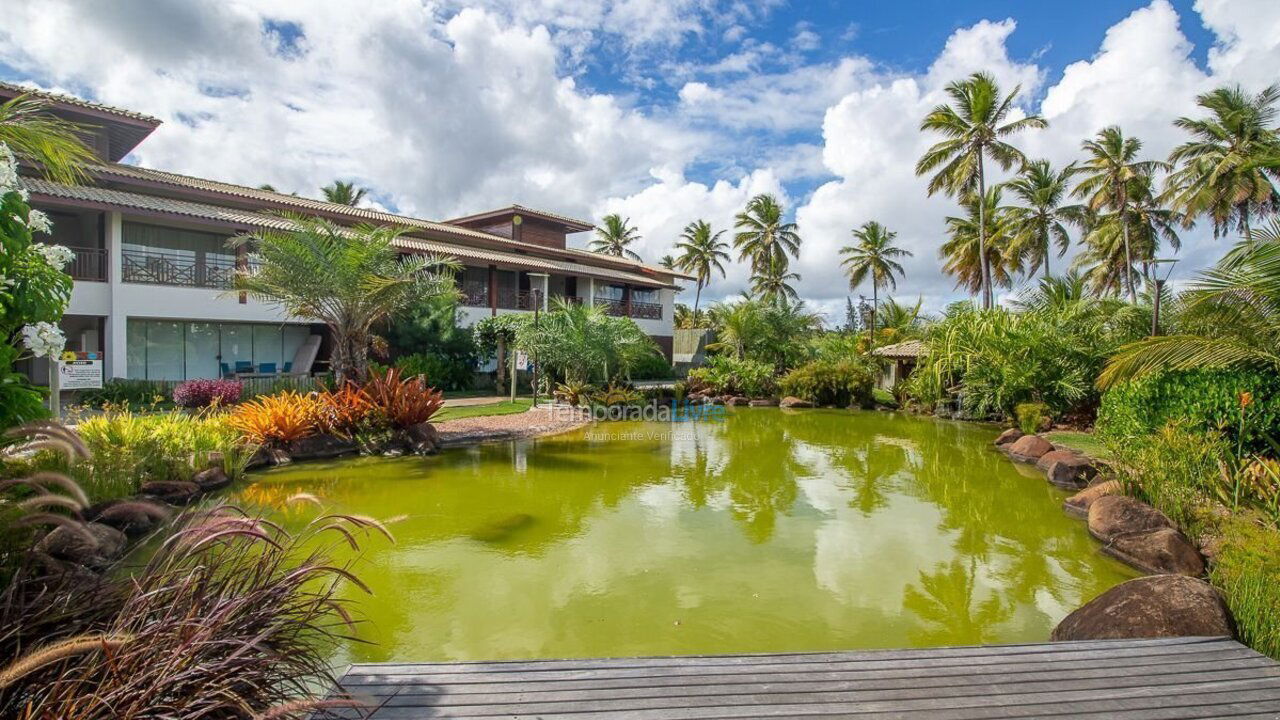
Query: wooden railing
[[159, 267], [512, 299], [475, 293], [617, 308], [646, 310], [88, 264]]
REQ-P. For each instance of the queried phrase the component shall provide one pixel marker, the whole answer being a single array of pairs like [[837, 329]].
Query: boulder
[[173, 492], [791, 401], [1072, 473], [1078, 504], [134, 518], [88, 544], [722, 399], [737, 400], [422, 439], [1008, 436], [1115, 515], [210, 479], [1028, 448], [763, 402], [1044, 461], [1152, 606], [1160, 551], [320, 447]]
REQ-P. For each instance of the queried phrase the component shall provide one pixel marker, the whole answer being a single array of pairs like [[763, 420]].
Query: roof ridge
[[79, 101]]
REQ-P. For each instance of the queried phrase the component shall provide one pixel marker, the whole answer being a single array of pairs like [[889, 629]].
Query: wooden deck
[[1162, 678]]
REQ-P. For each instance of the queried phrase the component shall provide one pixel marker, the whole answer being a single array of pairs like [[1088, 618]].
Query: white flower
[[56, 255], [43, 339], [39, 222], [8, 171]]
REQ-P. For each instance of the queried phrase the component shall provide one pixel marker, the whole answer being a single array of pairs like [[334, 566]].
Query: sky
[[664, 111]]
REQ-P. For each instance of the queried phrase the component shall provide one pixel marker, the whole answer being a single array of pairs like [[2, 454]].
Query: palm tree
[[1145, 224], [702, 253], [874, 255], [343, 193], [1109, 171], [773, 282], [1226, 170], [1230, 318], [28, 129], [983, 228], [613, 237], [668, 262], [901, 320], [762, 237], [1037, 226], [974, 129], [348, 278]]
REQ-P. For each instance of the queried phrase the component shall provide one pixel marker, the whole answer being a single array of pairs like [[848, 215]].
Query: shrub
[[1247, 570], [1176, 469], [652, 366], [573, 393], [829, 382], [344, 411], [277, 420], [430, 340], [1203, 399], [1032, 417], [404, 402], [446, 373], [204, 393], [727, 375], [129, 393], [617, 395]]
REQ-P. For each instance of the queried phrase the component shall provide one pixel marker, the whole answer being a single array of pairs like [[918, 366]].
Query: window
[[175, 350], [171, 256]]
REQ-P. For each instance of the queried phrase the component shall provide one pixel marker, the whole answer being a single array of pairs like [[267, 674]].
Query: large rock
[[792, 401], [1008, 436], [134, 518], [1044, 461], [1078, 504], [1071, 473], [1028, 448], [1153, 606], [1160, 551], [1116, 515], [763, 402], [210, 479], [320, 447], [173, 492], [89, 544], [422, 439], [737, 400]]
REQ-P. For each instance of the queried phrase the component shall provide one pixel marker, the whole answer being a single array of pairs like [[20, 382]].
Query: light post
[[537, 307], [1159, 289]]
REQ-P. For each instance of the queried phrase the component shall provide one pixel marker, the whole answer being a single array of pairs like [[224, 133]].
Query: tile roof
[[252, 219], [522, 209], [78, 102], [903, 350]]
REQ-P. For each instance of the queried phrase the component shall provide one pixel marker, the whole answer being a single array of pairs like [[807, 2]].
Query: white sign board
[[522, 361], [80, 375]]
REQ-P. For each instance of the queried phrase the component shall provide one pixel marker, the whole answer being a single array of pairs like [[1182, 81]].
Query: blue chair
[[244, 366], [288, 367], [267, 368], [225, 368]]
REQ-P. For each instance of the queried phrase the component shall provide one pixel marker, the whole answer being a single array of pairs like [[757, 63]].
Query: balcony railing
[[512, 299], [475, 293], [88, 264], [159, 267], [639, 310], [612, 306]]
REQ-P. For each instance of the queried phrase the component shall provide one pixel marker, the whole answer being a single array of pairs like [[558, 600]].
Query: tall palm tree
[[1229, 318], [1037, 225], [873, 256], [975, 130], [668, 262], [983, 232], [347, 278], [762, 237], [1109, 170], [1226, 170], [614, 235], [344, 193], [772, 283], [1115, 238], [702, 253], [28, 129]]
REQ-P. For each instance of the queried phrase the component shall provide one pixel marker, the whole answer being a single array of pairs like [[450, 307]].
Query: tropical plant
[[1226, 170], [724, 375], [842, 383], [975, 129], [1038, 225], [403, 401], [1032, 417], [1149, 225], [1228, 318], [687, 318], [874, 256], [350, 279], [343, 412], [763, 238], [581, 343], [575, 393], [205, 393], [344, 193], [701, 253], [27, 127], [429, 337], [668, 262], [772, 282], [902, 321], [616, 395], [277, 420], [614, 236], [761, 330], [984, 227], [1110, 172]]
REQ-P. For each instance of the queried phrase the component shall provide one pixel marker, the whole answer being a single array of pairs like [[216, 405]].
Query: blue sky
[[664, 111]]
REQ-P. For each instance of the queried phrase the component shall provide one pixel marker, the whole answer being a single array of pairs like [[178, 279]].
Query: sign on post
[[522, 361], [80, 371]]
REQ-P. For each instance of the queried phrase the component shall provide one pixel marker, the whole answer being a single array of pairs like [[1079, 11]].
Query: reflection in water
[[772, 531]]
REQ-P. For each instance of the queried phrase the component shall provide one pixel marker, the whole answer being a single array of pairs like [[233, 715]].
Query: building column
[[626, 300], [546, 288], [591, 291], [493, 290], [114, 344]]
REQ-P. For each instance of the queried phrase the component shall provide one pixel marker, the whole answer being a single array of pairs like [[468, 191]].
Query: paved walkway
[[543, 420], [474, 401]]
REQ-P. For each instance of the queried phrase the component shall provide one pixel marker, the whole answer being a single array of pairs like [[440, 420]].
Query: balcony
[[88, 264], [161, 267], [512, 299], [639, 310], [474, 294]]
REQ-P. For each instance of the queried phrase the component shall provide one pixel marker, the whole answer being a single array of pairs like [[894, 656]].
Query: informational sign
[[81, 372], [522, 361]]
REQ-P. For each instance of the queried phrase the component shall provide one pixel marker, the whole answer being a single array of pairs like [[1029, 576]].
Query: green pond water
[[771, 531]]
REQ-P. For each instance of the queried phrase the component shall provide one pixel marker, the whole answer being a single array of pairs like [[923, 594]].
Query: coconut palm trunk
[[982, 236], [1121, 206], [875, 301], [697, 295]]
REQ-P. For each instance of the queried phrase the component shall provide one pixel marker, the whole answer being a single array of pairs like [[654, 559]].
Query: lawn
[[505, 407], [1083, 442]]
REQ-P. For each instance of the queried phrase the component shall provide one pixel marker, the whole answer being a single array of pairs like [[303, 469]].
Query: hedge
[[828, 382]]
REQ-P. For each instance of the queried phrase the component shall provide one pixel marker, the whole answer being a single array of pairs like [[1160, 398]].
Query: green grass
[[506, 407], [1082, 442], [453, 394]]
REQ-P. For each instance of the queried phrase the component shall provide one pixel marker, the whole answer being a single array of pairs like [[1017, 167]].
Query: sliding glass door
[[176, 350]]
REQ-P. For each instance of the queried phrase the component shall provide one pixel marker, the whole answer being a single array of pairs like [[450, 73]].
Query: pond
[[770, 531]]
